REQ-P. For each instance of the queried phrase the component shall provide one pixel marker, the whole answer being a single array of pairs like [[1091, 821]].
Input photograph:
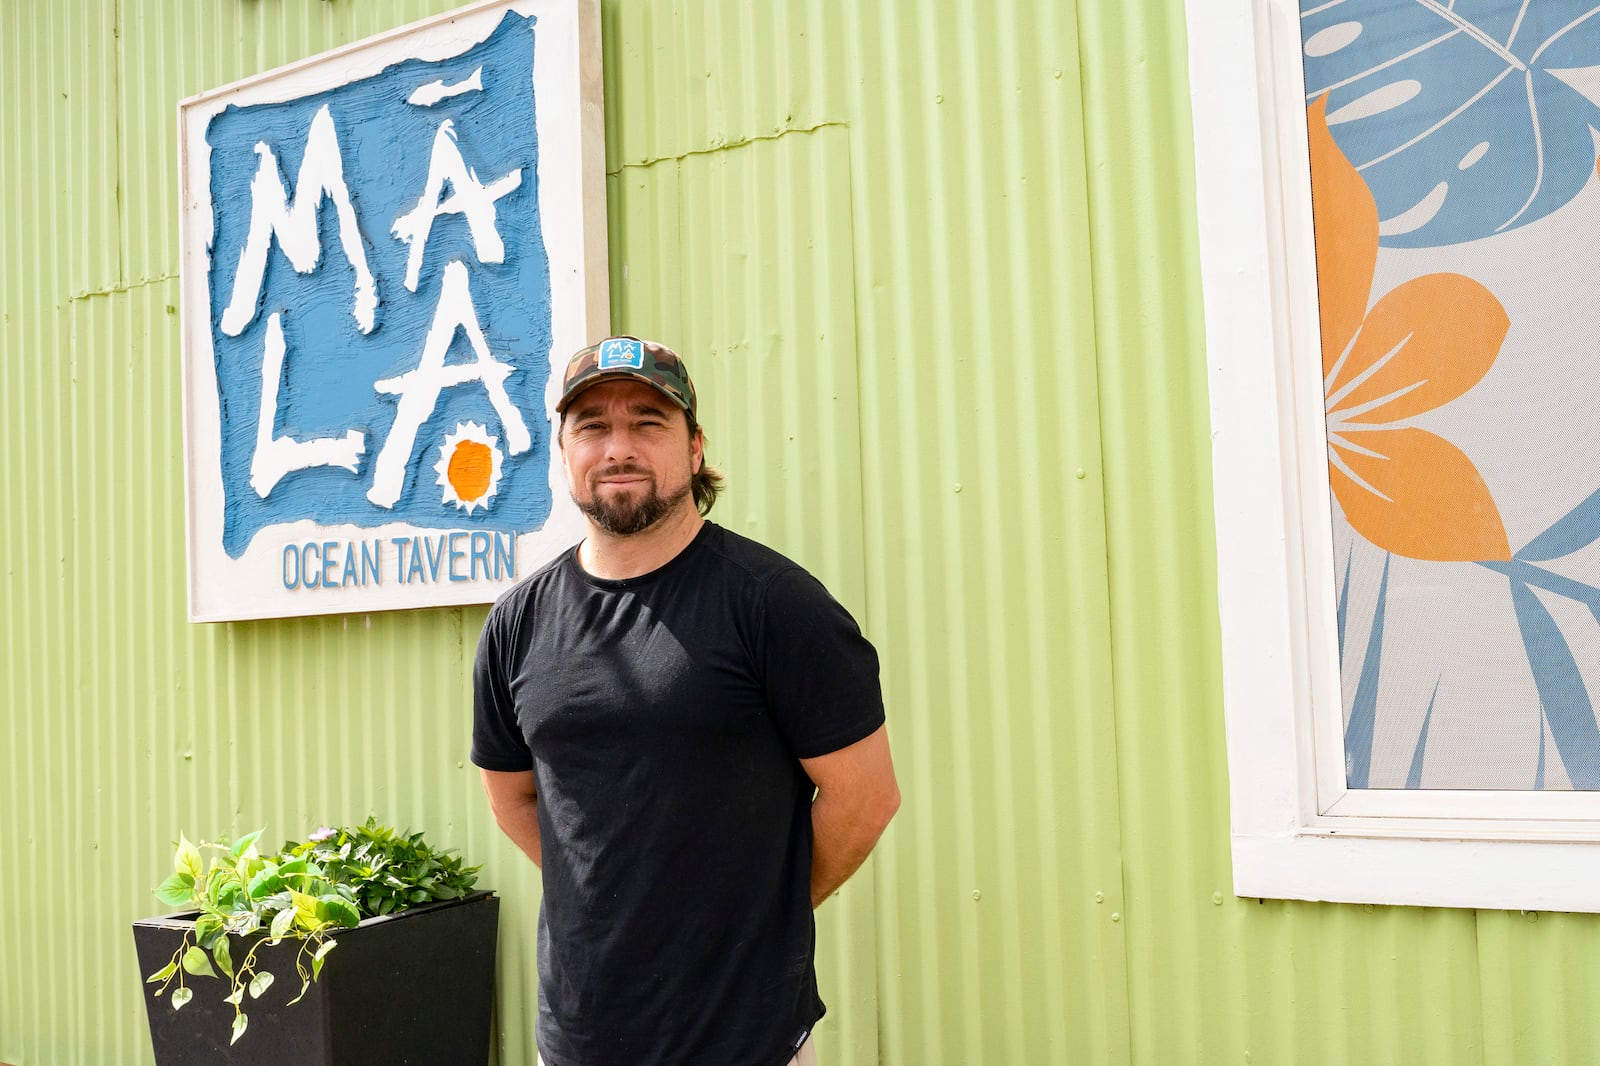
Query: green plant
[[388, 870], [309, 888]]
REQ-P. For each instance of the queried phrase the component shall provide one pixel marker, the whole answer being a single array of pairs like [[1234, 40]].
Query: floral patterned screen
[[1456, 209]]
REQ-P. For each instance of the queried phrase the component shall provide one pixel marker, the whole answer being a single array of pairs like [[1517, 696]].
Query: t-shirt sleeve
[[497, 740], [821, 673]]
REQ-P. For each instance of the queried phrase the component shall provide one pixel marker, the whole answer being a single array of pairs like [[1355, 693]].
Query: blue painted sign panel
[[384, 285]]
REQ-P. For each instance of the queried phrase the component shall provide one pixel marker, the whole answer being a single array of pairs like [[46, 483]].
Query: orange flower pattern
[[1424, 343]]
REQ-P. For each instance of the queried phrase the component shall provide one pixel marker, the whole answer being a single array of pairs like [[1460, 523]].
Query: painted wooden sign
[[388, 252]]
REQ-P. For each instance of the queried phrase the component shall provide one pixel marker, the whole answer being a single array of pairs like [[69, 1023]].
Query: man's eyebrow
[[643, 407]]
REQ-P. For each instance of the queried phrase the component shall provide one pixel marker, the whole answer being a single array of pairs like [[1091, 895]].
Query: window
[[1394, 197]]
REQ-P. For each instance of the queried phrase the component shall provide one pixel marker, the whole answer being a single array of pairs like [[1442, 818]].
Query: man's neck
[[613, 558]]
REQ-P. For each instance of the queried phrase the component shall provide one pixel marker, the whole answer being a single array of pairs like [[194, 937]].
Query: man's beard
[[623, 517]]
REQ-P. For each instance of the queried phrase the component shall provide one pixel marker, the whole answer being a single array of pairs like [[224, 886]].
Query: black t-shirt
[[663, 717]]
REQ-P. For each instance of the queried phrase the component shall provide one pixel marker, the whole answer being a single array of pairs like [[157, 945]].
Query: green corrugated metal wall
[[935, 267]]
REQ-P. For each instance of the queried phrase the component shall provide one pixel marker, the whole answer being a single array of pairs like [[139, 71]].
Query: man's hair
[[706, 485]]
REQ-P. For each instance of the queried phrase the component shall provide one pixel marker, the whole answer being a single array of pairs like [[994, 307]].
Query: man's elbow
[[502, 819], [884, 808]]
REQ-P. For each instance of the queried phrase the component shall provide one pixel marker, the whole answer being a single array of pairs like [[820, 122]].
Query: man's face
[[628, 455]]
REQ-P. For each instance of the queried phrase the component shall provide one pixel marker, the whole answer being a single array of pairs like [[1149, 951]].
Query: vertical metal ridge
[[147, 120], [1155, 434], [1005, 541], [978, 246], [79, 93], [120, 420], [916, 1001], [83, 324], [16, 792], [45, 428]]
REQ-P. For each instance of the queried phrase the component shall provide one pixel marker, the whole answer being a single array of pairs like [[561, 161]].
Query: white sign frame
[[571, 198], [1297, 831]]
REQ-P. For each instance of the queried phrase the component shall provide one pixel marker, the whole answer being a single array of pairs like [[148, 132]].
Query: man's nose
[[619, 444]]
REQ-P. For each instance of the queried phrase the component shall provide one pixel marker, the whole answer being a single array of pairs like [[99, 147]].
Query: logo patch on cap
[[620, 353]]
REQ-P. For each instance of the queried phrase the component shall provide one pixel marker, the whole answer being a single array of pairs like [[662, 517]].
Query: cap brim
[[583, 384]]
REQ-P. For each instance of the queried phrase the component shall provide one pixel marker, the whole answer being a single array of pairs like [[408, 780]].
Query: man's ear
[[697, 450]]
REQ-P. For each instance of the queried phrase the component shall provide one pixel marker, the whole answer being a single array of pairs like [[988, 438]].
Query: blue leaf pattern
[[1538, 577], [1538, 774], [1344, 599], [1463, 117], [1364, 710], [1414, 777], [1562, 693], [1577, 529]]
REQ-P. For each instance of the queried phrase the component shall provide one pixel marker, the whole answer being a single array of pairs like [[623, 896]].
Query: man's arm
[[856, 797], [515, 803]]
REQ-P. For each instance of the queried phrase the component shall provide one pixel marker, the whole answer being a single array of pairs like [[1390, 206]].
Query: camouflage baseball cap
[[628, 357]]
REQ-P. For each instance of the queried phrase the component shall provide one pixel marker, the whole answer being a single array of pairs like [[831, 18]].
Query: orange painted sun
[[469, 467]]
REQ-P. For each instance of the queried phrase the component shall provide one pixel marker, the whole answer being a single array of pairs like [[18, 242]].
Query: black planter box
[[412, 988]]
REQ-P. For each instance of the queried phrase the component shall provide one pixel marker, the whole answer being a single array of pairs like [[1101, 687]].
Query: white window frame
[[1298, 831]]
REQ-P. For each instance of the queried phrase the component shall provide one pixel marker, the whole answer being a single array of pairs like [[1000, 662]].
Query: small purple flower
[[322, 834]]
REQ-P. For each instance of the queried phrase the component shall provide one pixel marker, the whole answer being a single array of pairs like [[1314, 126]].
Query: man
[[686, 733]]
